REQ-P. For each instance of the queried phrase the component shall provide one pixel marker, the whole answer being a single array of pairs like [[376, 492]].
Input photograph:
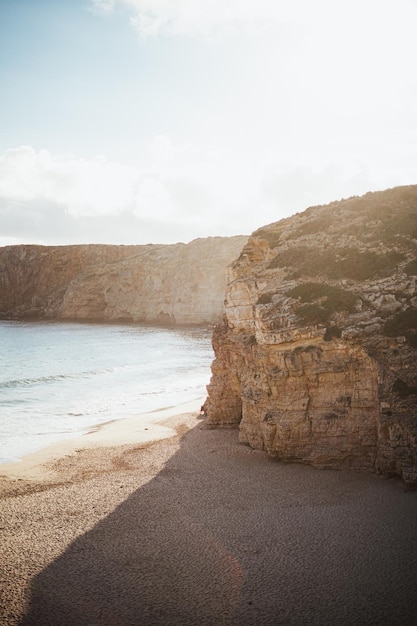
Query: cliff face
[[316, 359], [163, 284]]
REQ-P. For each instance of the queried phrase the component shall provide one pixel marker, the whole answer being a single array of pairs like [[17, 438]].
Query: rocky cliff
[[316, 359], [162, 284]]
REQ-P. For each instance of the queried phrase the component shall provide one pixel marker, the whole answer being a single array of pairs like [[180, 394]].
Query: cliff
[[316, 359], [157, 284]]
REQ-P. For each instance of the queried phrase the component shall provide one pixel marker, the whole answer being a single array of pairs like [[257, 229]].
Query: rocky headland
[[316, 358], [180, 284]]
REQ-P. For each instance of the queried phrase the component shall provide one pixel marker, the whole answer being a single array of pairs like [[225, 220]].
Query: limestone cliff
[[163, 284], [316, 359]]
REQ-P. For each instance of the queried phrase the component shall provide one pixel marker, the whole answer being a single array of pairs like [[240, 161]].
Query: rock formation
[[316, 359], [157, 284]]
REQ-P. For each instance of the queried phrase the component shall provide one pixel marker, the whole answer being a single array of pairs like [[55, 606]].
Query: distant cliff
[[158, 284], [316, 360]]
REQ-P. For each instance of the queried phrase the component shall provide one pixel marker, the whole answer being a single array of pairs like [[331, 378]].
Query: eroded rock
[[158, 284], [316, 360]]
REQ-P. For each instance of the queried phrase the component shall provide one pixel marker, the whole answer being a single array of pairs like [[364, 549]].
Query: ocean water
[[59, 379]]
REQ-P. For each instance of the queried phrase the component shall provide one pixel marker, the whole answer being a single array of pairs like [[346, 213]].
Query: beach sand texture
[[197, 529]]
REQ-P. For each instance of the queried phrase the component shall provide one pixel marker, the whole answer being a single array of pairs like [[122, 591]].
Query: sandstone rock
[[316, 359], [156, 284]]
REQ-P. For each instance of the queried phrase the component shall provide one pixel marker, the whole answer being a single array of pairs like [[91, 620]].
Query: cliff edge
[[172, 285], [316, 359]]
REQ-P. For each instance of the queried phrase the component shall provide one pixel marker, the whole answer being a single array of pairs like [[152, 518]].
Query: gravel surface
[[200, 530]]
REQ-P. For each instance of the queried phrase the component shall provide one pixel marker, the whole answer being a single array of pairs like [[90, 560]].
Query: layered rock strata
[[157, 284], [316, 359]]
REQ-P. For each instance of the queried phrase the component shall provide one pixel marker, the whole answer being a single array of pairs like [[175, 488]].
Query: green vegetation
[[398, 217], [291, 257], [411, 268], [336, 298], [265, 298], [332, 332], [336, 262], [314, 313], [362, 265], [315, 226], [389, 215], [404, 324], [272, 237], [321, 301], [403, 389]]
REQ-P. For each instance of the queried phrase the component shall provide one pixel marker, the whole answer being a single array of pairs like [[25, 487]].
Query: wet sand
[[141, 428], [197, 529]]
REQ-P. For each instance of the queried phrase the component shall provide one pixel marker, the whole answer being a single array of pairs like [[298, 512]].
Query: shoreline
[[140, 429], [196, 528]]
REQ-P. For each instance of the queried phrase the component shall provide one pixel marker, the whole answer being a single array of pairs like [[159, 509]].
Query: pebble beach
[[182, 525]]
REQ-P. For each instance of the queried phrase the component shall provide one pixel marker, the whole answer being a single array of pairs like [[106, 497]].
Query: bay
[[57, 379]]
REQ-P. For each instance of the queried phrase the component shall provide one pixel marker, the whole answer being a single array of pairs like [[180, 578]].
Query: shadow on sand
[[222, 535]]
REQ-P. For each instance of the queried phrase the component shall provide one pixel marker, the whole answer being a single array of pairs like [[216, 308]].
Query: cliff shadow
[[224, 535]]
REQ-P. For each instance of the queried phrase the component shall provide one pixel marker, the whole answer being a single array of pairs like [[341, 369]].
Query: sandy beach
[[164, 522]]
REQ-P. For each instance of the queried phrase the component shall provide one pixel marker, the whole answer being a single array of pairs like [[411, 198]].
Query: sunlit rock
[[316, 359], [158, 284]]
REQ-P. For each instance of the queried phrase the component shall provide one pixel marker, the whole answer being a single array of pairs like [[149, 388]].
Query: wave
[[52, 378]]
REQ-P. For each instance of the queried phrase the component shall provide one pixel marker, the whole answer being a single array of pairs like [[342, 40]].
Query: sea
[[59, 379]]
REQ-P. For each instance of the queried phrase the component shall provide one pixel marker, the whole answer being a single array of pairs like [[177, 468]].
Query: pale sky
[[138, 121]]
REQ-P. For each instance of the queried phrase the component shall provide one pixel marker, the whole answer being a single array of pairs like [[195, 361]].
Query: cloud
[[83, 187], [253, 17], [294, 189], [102, 6], [183, 191], [199, 17], [57, 198], [340, 63]]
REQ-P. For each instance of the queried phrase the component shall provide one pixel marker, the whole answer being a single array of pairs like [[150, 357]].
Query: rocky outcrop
[[316, 359], [157, 284]]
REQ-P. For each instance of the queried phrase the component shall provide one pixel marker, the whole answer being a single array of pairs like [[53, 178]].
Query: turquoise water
[[59, 379]]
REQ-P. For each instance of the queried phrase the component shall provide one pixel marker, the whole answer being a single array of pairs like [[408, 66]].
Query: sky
[[158, 121]]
